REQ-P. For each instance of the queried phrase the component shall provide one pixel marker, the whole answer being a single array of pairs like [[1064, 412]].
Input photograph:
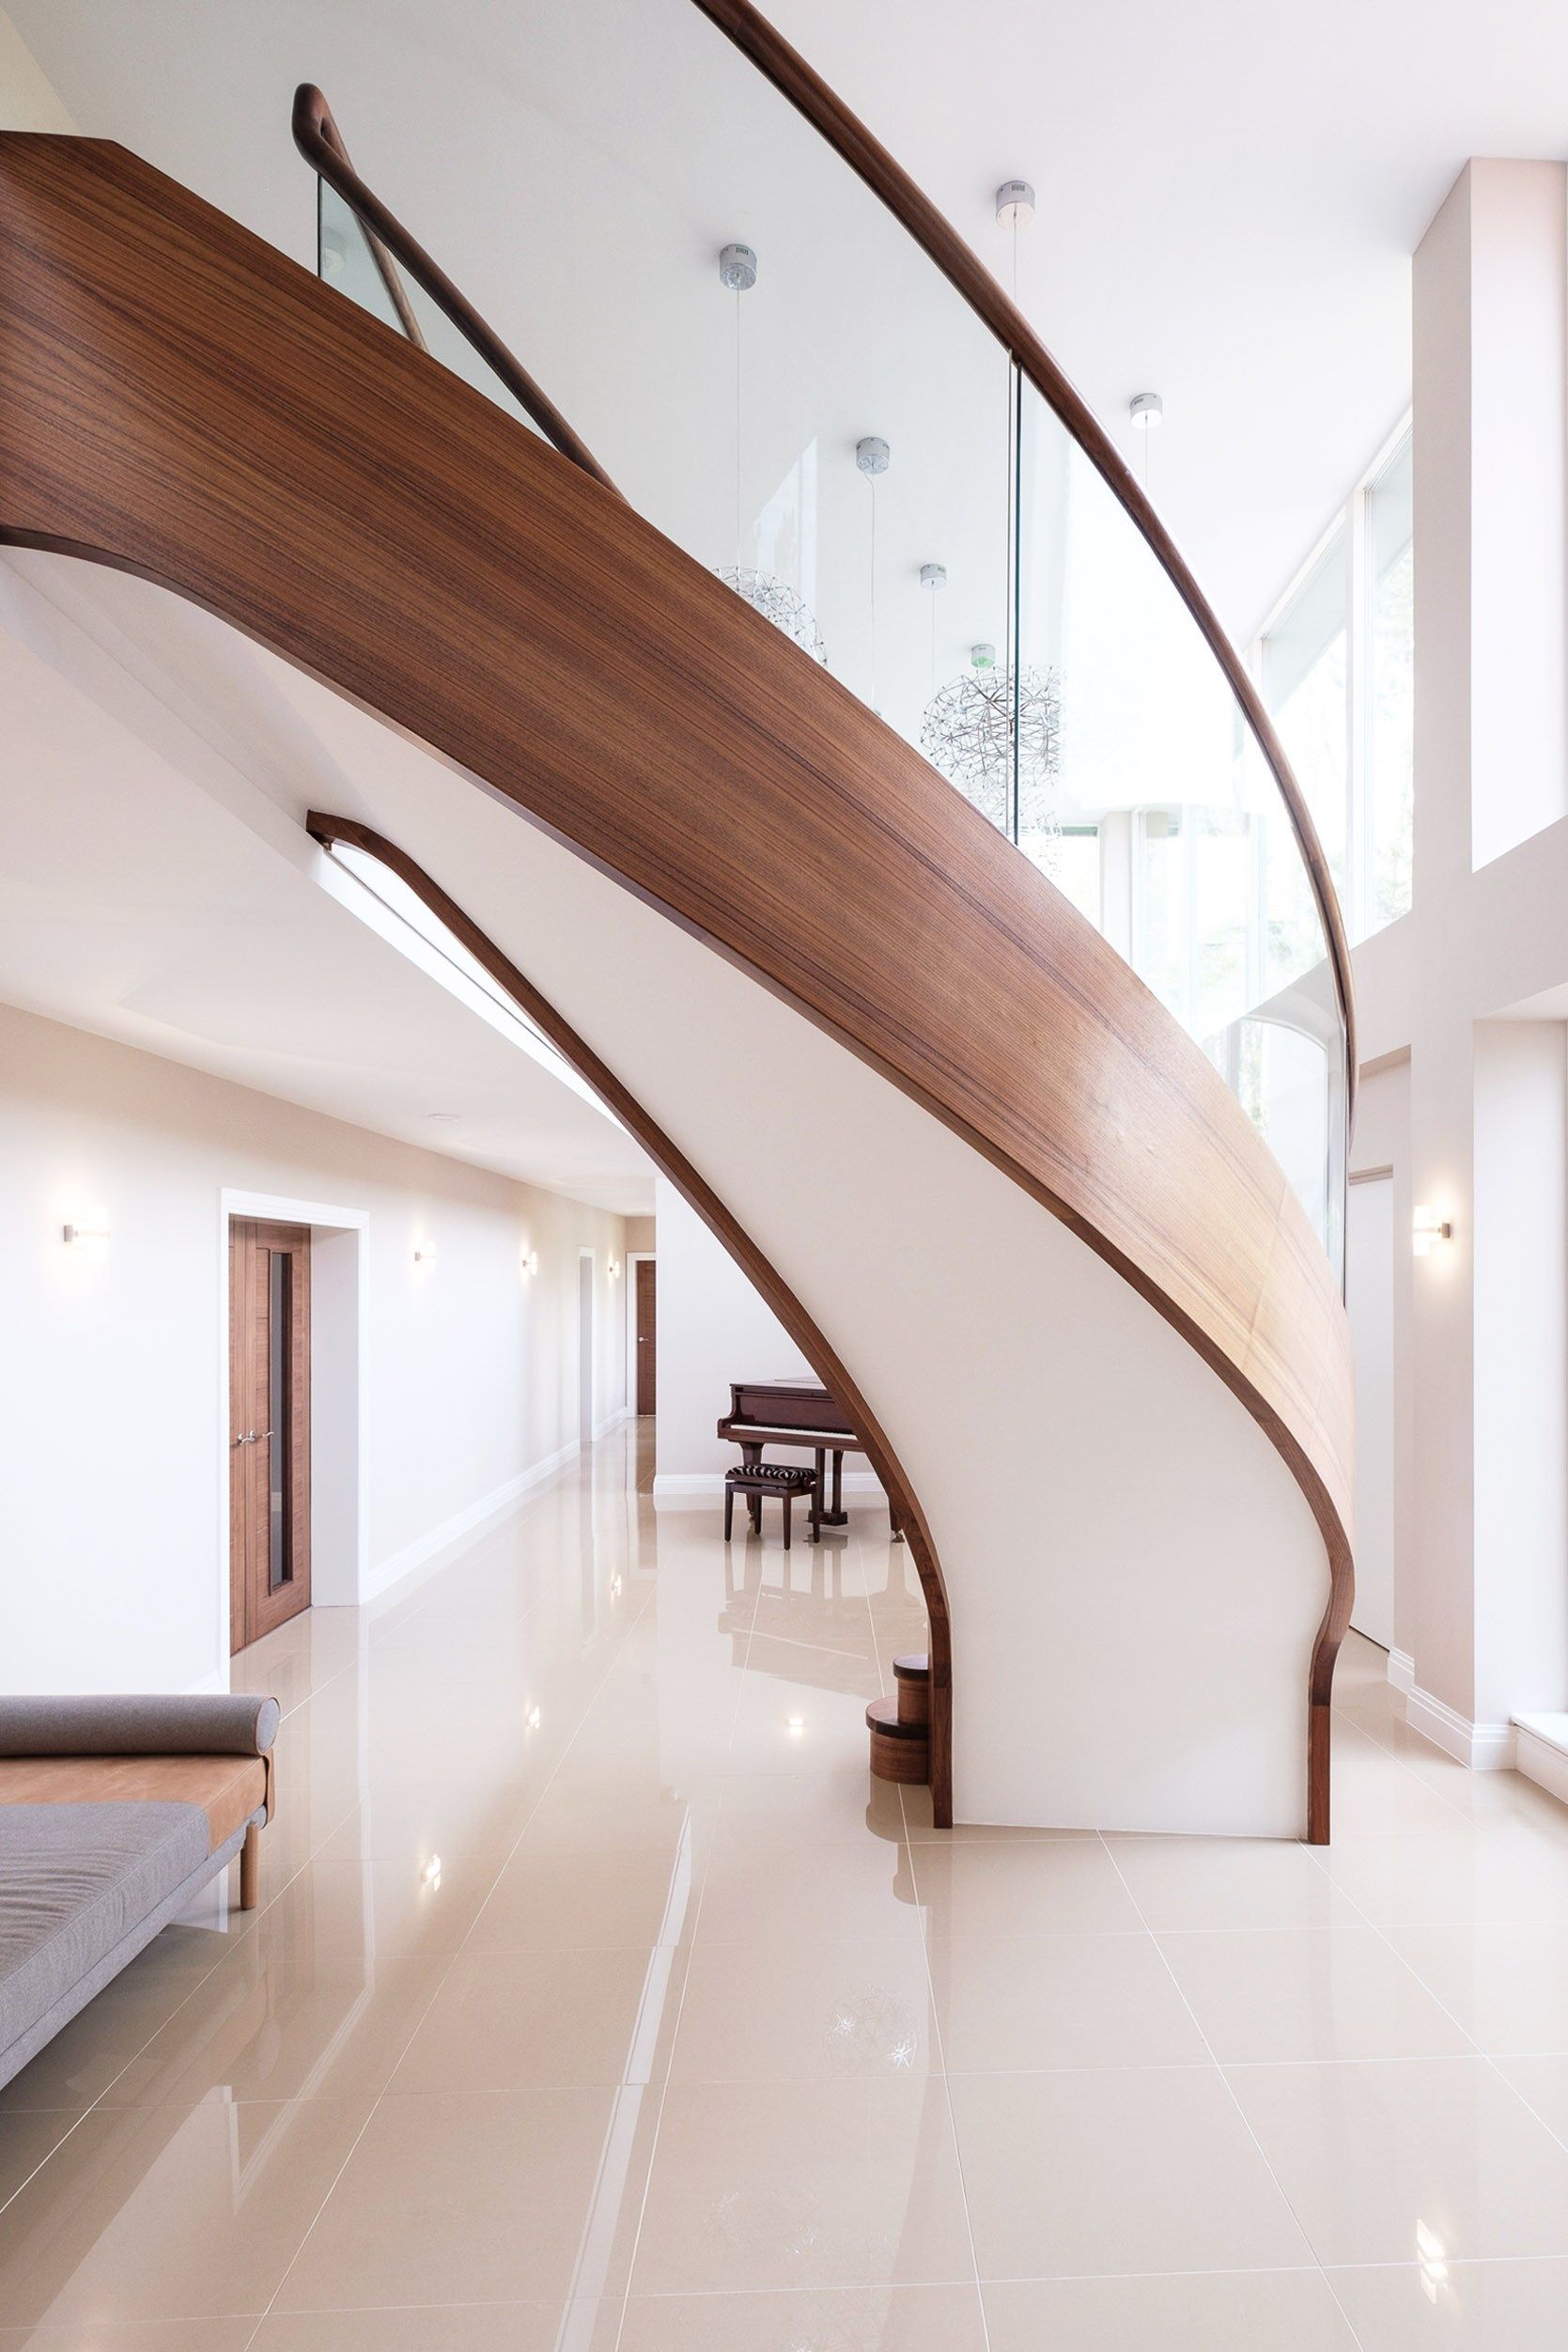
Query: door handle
[[251, 1437]]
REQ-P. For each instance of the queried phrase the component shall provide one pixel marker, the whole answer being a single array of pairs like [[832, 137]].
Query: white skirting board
[[1543, 1752], [1484, 1746], [464, 1522], [614, 1421]]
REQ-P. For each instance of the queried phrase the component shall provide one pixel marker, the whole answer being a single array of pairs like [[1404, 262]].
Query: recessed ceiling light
[[444, 1115]]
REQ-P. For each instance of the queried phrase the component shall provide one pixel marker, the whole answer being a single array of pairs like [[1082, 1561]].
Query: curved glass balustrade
[[929, 507]]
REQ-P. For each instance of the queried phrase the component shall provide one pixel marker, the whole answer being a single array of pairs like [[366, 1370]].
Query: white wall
[[27, 98], [1368, 1298], [1383, 1141], [1521, 1368], [113, 1573], [713, 1329], [1512, 303], [1470, 1103]]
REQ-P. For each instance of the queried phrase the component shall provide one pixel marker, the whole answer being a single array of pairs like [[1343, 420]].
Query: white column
[[1491, 768]]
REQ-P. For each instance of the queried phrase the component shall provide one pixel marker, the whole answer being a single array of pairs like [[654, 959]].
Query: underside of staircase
[[1006, 1206]]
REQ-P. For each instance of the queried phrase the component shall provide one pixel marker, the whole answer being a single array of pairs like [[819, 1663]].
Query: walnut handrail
[[320, 142], [887, 180], [386, 267]]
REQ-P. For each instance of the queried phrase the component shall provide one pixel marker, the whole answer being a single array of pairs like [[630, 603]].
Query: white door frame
[[585, 1416], [633, 1259], [339, 1353]]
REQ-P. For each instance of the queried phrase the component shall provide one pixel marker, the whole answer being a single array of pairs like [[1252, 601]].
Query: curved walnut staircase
[[1007, 1207]]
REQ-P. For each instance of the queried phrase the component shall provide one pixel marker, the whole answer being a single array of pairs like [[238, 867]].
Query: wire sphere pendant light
[[966, 733], [774, 599], [777, 601]]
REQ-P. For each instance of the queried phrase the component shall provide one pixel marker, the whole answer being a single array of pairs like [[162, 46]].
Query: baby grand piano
[[795, 1413]]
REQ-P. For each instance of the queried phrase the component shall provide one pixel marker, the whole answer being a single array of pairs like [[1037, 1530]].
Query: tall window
[[1337, 664], [1390, 687], [1306, 683], [1075, 869]]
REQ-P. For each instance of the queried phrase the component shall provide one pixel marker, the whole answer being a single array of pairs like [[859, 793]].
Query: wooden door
[[647, 1322], [269, 1432]]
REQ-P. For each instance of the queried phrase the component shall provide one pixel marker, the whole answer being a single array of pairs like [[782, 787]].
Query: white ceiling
[[156, 890], [1229, 198]]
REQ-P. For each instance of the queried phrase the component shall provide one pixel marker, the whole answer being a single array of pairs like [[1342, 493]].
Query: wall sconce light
[[614, 1270], [530, 1261], [430, 1876], [91, 1237], [1427, 1230], [426, 1256], [532, 1718]]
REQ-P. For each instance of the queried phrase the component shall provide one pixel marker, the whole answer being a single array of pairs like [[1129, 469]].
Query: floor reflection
[[599, 2000]]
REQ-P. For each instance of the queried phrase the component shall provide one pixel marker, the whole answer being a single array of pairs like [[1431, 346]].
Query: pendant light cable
[[1016, 666], [775, 600], [874, 702], [872, 456]]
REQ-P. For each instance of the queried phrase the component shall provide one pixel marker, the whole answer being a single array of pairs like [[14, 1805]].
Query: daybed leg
[[250, 1868]]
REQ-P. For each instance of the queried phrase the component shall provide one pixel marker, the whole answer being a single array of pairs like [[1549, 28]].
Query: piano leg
[[750, 1453], [836, 1516]]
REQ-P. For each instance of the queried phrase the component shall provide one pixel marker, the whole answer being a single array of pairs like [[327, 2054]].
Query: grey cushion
[[74, 1881], [120, 1723]]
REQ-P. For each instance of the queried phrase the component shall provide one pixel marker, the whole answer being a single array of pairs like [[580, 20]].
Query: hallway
[[591, 2004]]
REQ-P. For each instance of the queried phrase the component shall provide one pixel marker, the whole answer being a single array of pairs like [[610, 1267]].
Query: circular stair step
[[912, 1674], [900, 1750]]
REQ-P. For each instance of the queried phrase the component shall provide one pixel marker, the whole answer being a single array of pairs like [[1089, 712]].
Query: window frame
[[1354, 519]]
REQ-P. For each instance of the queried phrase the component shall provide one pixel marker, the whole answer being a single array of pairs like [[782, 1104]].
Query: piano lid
[[794, 1402]]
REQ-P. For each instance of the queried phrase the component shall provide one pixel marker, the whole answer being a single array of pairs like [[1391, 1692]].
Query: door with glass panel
[[647, 1337], [268, 1436]]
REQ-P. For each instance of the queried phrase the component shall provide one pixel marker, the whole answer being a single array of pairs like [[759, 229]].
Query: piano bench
[[756, 1479]]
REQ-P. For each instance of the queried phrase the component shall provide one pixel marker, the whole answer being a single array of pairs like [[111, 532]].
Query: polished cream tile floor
[[600, 2003]]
